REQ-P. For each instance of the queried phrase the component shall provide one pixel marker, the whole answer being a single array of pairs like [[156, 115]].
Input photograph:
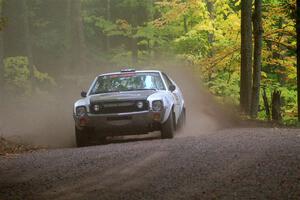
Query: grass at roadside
[[8, 147]]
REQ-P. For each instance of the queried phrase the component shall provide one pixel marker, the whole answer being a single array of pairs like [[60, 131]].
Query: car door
[[176, 94]]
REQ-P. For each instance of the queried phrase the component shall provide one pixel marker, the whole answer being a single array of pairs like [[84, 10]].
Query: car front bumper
[[122, 123]]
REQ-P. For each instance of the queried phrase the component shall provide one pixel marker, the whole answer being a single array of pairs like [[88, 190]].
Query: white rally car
[[129, 102]]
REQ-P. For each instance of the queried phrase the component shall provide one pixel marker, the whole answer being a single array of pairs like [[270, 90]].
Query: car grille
[[118, 107]]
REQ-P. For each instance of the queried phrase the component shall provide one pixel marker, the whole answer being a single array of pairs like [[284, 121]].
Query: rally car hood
[[122, 96]]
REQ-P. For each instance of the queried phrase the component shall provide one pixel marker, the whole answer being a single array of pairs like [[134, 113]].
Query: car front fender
[[167, 100]]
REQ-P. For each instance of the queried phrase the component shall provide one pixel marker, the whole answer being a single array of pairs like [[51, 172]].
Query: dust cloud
[[204, 113], [46, 119]]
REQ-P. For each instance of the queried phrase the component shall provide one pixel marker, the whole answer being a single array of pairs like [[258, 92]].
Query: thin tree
[[257, 32], [77, 46], [246, 55], [108, 17], [134, 41], [16, 33], [211, 36], [13, 34], [298, 54], [68, 37], [28, 42], [1, 54]]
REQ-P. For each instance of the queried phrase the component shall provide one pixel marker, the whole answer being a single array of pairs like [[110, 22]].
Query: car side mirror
[[172, 88], [83, 94]]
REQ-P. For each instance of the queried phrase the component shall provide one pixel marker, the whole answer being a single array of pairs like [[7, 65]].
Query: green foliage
[[121, 57], [2, 19], [194, 43], [226, 86], [17, 76], [43, 80], [206, 35], [212, 43], [289, 101]]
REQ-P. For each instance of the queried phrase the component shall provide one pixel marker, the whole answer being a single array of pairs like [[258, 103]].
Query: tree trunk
[[16, 34], [258, 31], [68, 38], [133, 40], [298, 56], [276, 106], [14, 39], [246, 56], [1, 64], [185, 25], [28, 42], [1, 58], [134, 51], [108, 17], [266, 104], [211, 35], [77, 46]]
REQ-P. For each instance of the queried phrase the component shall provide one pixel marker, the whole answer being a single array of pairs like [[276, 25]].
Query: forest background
[[44, 42]]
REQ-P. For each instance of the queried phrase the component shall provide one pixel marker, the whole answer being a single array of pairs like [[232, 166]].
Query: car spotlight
[[140, 104], [96, 108]]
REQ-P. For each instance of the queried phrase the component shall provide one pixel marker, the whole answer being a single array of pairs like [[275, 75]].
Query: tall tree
[[134, 40], [246, 55], [68, 42], [77, 47], [258, 32], [16, 35], [298, 55], [211, 11], [14, 39], [1, 52], [27, 38], [108, 17]]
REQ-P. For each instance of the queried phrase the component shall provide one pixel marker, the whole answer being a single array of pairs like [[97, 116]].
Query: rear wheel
[[168, 128]]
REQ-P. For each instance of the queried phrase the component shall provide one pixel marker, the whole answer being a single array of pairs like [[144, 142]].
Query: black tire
[[182, 119], [81, 137], [168, 128], [102, 140]]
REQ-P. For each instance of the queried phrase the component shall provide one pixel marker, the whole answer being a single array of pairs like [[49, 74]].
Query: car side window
[[167, 80]]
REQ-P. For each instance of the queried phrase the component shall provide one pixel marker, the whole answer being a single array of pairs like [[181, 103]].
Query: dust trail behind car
[[46, 119], [204, 113]]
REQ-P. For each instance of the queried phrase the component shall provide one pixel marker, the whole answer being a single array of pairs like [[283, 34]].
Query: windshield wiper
[[141, 89], [103, 92], [138, 89]]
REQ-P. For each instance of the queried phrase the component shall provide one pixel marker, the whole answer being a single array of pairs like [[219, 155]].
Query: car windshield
[[128, 82]]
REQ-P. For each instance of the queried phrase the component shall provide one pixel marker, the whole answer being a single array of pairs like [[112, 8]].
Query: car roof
[[133, 71]]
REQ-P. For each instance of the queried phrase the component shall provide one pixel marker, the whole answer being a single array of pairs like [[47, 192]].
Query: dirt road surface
[[239, 163]]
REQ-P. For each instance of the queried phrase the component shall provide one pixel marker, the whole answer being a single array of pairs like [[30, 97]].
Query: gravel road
[[241, 163]]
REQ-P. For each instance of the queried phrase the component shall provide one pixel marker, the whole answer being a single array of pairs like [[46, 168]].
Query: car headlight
[[81, 110], [139, 104], [157, 105]]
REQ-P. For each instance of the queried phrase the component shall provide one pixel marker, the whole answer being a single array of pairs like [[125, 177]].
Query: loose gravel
[[245, 163]]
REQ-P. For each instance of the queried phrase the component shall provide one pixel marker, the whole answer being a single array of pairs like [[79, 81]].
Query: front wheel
[[168, 128], [81, 137], [182, 119]]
